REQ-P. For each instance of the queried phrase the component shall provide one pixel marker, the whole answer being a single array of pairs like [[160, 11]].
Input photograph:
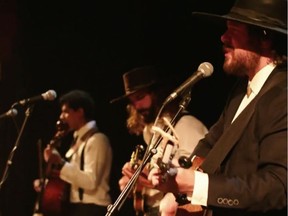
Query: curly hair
[[279, 43]]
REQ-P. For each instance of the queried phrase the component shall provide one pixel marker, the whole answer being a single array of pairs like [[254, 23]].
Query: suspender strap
[[80, 190]]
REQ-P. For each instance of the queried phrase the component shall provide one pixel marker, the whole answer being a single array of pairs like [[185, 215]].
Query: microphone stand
[[11, 155], [148, 155]]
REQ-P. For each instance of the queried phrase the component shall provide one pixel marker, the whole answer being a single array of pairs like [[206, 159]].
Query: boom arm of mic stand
[[182, 106], [11, 155]]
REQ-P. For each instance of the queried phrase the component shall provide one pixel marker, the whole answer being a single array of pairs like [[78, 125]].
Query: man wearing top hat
[[144, 95], [244, 171]]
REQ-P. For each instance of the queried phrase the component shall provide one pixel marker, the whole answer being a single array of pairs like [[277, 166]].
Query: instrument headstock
[[62, 130]]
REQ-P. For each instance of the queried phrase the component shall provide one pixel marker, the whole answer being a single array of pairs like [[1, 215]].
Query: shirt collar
[[89, 125], [259, 79]]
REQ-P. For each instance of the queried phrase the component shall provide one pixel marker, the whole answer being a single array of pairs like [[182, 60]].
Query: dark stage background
[[64, 45]]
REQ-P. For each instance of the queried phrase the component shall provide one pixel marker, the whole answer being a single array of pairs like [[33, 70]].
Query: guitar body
[[187, 209], [55, 197], [138, 200]]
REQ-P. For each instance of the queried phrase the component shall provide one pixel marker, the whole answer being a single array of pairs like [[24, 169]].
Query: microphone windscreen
[[206, 68], [49, 95]]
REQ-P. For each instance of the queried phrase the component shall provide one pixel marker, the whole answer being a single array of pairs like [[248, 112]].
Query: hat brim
[[125, 97], [121, 98], [240, 18]]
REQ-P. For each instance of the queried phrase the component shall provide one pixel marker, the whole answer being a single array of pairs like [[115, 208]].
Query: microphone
[[49, 95], [10, 113], [205, 69]]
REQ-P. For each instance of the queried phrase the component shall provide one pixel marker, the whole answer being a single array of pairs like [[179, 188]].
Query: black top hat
[[267, 14], [138, 79]]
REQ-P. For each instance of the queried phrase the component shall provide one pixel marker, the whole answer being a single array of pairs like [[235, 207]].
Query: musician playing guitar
[[87, 164], [144, 94], [245, 151]]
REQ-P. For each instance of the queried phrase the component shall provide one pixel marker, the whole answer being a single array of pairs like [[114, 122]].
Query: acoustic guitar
[[138, 196], [185, 208], [55, 190], [55, 197]]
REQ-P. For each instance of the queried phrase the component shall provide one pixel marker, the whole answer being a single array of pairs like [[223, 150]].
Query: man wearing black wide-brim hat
[[245, 151], [144, 94]]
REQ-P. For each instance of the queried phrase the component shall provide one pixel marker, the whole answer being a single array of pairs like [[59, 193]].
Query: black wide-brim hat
[[138, 79], [266, 14]]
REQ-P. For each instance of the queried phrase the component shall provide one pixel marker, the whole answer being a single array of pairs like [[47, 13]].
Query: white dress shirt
[[94, 179]]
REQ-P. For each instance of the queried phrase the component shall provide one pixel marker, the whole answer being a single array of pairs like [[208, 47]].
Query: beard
[[148, 114], [241, 62]]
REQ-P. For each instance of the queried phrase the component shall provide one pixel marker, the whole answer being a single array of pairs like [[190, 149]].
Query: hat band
[[133, 88], [258, 17]]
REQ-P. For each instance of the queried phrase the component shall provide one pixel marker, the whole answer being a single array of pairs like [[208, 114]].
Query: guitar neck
[[138, 198], [137, 156]]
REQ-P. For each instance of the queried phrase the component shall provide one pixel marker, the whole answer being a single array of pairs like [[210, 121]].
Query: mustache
[[143, 111], [225, 47]]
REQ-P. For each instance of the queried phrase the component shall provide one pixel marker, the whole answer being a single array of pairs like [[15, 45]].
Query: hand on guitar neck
[[51, 155], [142, 182], [54, 161]]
